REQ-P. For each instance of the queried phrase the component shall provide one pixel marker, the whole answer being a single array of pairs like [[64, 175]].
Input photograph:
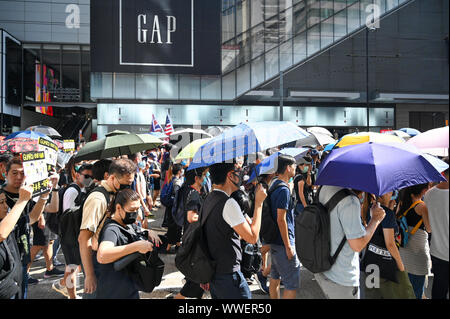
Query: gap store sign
[[156, 36]]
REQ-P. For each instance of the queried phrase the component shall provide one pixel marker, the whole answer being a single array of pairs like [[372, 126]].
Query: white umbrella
[[193, 131], [399, 133], [317, 129], [315, 139]]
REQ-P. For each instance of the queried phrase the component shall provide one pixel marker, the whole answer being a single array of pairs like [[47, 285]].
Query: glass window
[[228, 25], [189, 87], [229, 56], [257, 40], [101, 85], [211, 88], [244, 52], [167, 86], [146, 86], [313, 45], [271, 36], [32, 74], [13, 72], [243, 78], [391, 4], [258, 72], [365, 13], [86, 83], [70, 86], [299, 17], [353, 22], [229, 86], [124, 86], [326, 30], [286, 55], [257, 12], [339, 5], [51, 72], [286, 25], [313, 12], [340, 25], [270, 8], [300, 48], [272, 63], [326, 9], [242, 16]]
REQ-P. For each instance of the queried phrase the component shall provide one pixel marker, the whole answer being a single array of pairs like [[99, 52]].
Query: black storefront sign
[[156, 36]]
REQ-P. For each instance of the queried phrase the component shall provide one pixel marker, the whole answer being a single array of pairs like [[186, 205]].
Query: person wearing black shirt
[[302, 186]]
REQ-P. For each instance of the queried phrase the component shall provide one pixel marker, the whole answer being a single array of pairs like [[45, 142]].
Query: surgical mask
[[204, 181], [239, 183], [291, 180], [130, 217], [361, 200], [87, 181], [305, 170], [124, 186], [142, 164], [394, 195]]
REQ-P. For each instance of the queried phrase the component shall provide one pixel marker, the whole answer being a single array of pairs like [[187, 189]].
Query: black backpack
[[193, 259], [312, 234], [178, 212], [269, 227], [70, 220], [52, 219]]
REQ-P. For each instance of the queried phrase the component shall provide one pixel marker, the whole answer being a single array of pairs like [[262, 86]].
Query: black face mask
[[239, 183], [124, 186], [130, 218]]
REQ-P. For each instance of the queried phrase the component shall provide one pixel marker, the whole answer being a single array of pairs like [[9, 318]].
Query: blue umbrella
[[244, 139], [377, 168], [329, 147], [269, 164], [410, 131], [27, 134]]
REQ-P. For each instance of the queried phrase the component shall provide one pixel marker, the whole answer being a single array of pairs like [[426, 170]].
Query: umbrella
[[410, 131], [315, 139], [116, 132], [186, 136], [363, 137], [320, 130], [113, 146], [434, 142], [189, 150], [19, 145], [377, 168], [46, 130], [329, 147], [439, 165], [27, 134], [399, 133], [269, 164], [244, 139], [214, 130]]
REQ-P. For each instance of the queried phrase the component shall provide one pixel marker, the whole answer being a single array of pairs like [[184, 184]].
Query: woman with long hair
[[416, 253]]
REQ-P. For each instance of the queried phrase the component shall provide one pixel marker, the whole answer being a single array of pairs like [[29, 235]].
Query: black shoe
[[53, 273], [32, 281]]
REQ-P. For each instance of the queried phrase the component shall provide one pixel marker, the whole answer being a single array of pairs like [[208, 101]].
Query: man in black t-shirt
[[302, 185]]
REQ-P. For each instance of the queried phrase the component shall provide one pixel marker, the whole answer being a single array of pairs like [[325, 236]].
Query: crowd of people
[[108, 202]]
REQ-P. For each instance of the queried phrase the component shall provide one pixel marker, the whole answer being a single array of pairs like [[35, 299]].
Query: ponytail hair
[[122, 198]]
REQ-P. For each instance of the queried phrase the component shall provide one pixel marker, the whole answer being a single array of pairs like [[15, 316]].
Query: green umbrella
[[113, 146]]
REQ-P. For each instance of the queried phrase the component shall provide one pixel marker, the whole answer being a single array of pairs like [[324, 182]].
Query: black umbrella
[[46, 130]]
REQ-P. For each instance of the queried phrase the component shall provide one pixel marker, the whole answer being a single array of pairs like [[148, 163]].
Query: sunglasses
[[87, 176]]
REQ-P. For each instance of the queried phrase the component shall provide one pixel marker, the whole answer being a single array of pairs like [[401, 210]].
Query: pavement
[[172, 280]]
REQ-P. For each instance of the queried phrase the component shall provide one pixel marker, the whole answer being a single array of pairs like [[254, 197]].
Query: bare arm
[[389, 239], [192, 216], [53, 207], [301, 194], [108, 253], [38, 209], [84, 242]]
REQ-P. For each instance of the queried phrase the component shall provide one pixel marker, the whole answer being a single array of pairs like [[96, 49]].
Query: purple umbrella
[[377, 168]]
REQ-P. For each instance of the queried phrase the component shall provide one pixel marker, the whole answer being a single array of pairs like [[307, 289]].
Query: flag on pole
[[168, 128], [155, 125]]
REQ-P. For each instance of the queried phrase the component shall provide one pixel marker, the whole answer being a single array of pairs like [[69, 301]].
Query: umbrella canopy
[[269, 164], [363, 137], [399, 133], [189, 150], [190, 130], [244, 139], [329, 147], [113, 146], [19, 145], [46, 130], [377, 168], [315, 139], [320, 130], [116, 132], [410, 131], [27, 134], [434, 142], [439, 165]]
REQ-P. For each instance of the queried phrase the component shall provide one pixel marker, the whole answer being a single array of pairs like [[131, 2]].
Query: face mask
[[130, 218], [291, 180], [142, 164], [394, 195], [122, 186], [361, 200], [239, 183], [87, 182], [207, 174], [204, 182], [305, 170]]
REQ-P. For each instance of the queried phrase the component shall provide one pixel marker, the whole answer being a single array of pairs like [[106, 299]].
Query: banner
[[156, 36], [36, 171], [50, 150], [69, 146]]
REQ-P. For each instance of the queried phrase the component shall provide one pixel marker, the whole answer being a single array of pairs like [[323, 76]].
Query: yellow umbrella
[[189, 150], [353, 139]]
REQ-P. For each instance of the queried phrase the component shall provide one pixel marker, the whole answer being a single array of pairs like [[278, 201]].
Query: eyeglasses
[[87, 176]]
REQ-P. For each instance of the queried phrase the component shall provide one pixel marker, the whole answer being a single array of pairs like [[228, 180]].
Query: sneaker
[[57, 263], [32, 281], [262, 282], [249, 281], [54, 272], [60, 288]]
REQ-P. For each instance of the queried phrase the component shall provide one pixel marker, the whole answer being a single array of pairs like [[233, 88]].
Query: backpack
[[193, 259], [9, 286], [52, 219], [70, 220], [313, 236], [403, 236], [167, 196], [269, 227], [178, 212]]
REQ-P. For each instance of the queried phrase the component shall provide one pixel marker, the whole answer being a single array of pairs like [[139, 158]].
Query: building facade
[[341, 64]]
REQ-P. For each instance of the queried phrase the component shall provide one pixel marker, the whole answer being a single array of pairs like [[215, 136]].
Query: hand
[[54, 179], [90, 284], [154, 238], [260, 194], [146, 212], [143, 246], [290, 252], [25, 192], [377, 212], [41, 223]]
